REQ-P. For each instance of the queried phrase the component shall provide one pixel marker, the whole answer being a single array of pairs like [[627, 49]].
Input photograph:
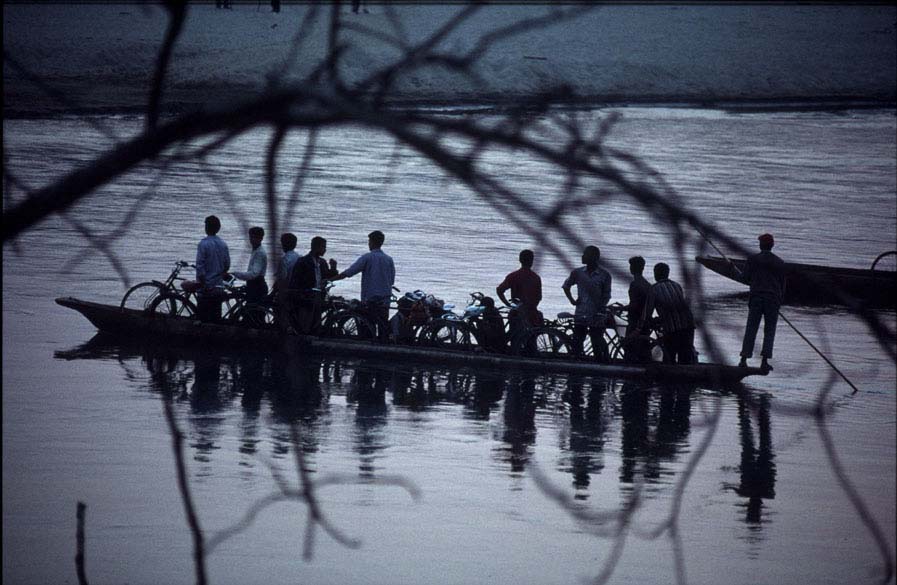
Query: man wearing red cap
[[765, 273]]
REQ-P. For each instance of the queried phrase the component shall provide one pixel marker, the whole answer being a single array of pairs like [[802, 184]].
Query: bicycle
[[239, 310], [142, 295], [355, 319], [555, 337], [473, 329]]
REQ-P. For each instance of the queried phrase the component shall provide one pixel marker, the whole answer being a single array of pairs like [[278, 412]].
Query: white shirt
[[258, 265], [287, 261]]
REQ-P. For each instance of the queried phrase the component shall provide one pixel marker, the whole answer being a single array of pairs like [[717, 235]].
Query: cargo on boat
[[130, 322]]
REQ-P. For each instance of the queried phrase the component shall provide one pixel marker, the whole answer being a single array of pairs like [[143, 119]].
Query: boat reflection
[[641, 432]]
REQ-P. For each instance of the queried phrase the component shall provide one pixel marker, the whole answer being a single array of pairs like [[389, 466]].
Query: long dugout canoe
[[815, 285], [130, 323]]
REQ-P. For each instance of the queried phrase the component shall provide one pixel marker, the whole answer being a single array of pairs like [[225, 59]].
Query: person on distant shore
[[212, 264], [677, 323], [256, 286], [306, 282], [525, 286], [593, 286], [765, 274], [378, 275]]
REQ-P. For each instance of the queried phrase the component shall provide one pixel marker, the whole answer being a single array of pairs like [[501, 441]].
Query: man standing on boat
[[307, 281], [765, 274], [593, 285], [378, 275], [212, 263], [677, 323], [256, 286], [639, 289], [525, 286], [282, 278]]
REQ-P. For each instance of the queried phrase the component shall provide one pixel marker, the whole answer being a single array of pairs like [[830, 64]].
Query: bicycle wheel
[[140, 296], [253, 315], [448, 334], [546, 342], [350, 325], [172, 304]]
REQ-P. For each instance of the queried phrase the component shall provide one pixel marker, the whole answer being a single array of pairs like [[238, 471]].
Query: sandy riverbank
[[101, 56]]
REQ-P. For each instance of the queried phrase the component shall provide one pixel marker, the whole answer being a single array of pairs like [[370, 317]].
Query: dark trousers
[[256, 290], [208, 308], [306, 309], [379, 316], [596, 335], [767, 308], [679, 347]]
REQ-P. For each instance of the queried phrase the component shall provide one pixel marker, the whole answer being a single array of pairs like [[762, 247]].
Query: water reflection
[[639, 433], [655, 430], [588, 425], [757, 469]]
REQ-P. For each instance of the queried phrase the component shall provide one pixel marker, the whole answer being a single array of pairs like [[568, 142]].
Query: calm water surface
[[83, 417]]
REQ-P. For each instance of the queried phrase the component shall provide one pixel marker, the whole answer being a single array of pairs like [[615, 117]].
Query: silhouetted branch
[[79, 537], [177, 447], [177, 14]]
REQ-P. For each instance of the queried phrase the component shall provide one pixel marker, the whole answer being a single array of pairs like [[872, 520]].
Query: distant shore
[[100, 57]]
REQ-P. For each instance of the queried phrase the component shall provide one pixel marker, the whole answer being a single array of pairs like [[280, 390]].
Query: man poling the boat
[[765, 274]]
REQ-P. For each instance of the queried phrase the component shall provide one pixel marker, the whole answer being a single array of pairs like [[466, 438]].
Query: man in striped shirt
[[677, 324]]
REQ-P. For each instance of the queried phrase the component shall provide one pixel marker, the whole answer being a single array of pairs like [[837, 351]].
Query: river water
[[83, 417]]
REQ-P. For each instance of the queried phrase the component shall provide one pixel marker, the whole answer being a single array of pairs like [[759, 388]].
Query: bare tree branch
[[177, 14]]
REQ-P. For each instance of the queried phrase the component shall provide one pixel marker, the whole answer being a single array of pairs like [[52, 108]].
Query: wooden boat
[[821, 285], [130, 323]]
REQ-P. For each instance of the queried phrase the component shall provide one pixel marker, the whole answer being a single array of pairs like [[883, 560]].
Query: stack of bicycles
[[165, 298]]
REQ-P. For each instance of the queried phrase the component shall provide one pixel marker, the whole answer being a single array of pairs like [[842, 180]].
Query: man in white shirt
[[212, 264], [256, 286]]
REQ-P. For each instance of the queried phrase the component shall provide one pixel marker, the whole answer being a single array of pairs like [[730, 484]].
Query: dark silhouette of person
[[593, 285], [212, 264], [307, 281], [525, 286], [256, 285], [765, 274], [676, 319], [639, 289], [275, 5], [378, 275], [490, 327]]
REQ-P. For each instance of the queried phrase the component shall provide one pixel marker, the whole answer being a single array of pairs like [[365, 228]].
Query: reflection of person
[[676, 320], [758, 470], [307, 281], [378, 275], [593, 285], [587, 429], [519, 422], [256, 286], [212, 263], [765, 273]]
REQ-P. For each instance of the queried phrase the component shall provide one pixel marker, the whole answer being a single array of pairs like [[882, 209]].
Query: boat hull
[[130, 323], [809, 284]]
